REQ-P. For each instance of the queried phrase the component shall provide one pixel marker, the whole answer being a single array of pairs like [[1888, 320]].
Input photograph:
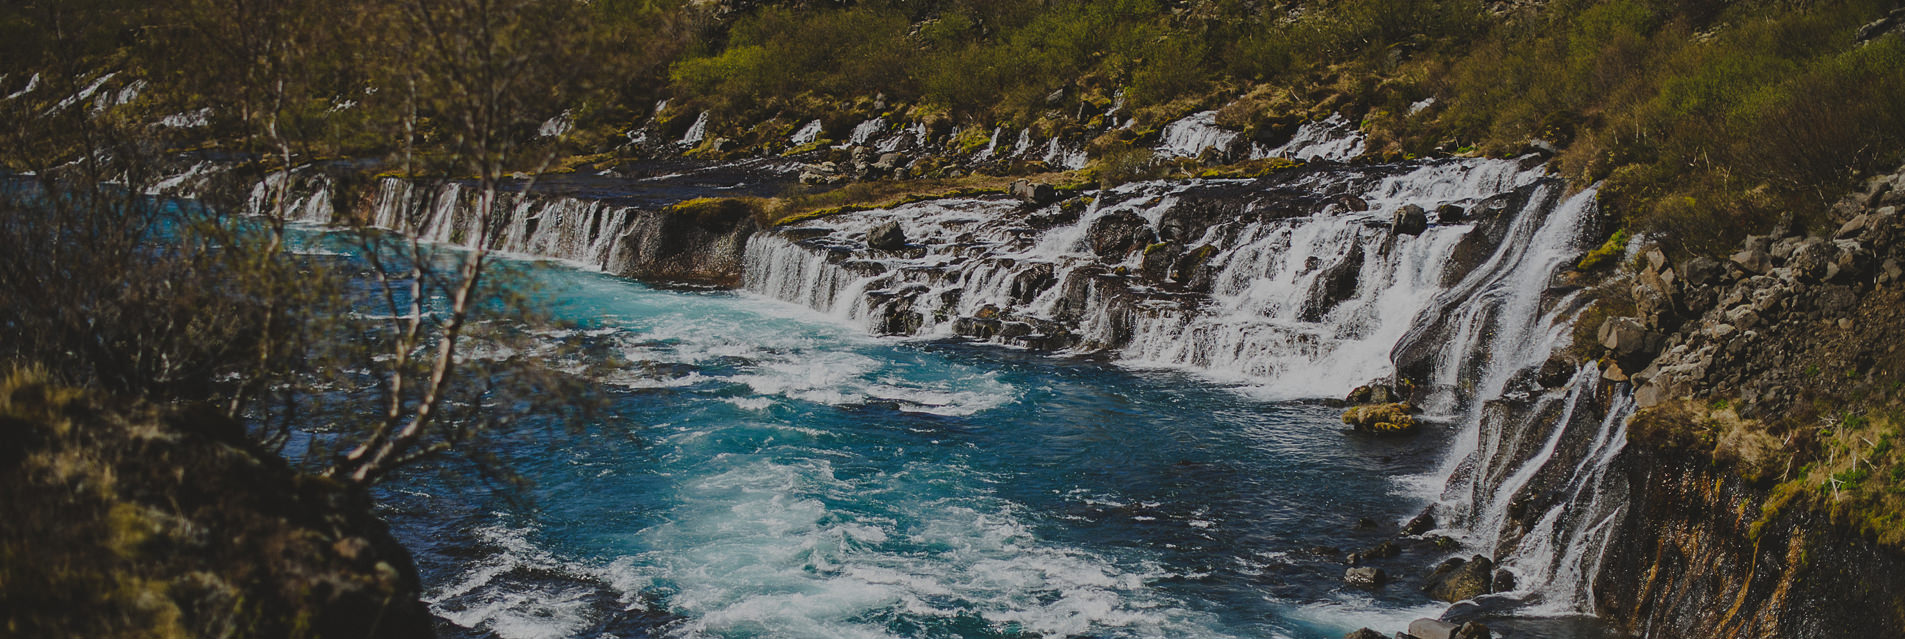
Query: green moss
[[1607, 255]]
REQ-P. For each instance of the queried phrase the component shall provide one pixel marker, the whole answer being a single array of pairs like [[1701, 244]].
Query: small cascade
[[1192, 135], [583, 232], [865, 131], [301, 197], [1332, 139], [992, 145], [1059, 155], [696, 132], [1025, 142], [806, 135]]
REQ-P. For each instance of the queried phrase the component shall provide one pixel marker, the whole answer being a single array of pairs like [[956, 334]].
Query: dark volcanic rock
[[1116, 235], [700, 245], [1422, 523], [1334, 285], [1409, 220], [887, 237]]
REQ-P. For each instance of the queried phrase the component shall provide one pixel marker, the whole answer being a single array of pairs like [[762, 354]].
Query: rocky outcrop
[[1764, 327], [1690, 561], [1382, 419], [1792, 321], [121, 520], [696, 242], [1461, 579]]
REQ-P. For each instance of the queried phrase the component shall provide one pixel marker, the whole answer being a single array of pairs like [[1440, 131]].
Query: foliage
[[124, 519], [1607, 254]]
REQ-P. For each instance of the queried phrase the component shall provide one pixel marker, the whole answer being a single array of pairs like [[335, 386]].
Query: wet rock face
[[1409, 220], [698, 247], [1338, 281], [1365, 577], [1114, 236], [1688, 562]]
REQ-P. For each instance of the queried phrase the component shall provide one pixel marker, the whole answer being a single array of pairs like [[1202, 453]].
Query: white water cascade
[[1301, 289], [984, 268], [1190, 136]]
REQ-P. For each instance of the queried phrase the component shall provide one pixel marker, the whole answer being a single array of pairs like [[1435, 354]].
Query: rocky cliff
[[1697, 557], [1760, 476]]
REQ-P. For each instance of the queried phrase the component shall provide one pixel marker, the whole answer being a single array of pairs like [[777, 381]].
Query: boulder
[[1656, 259], [1155, 267], [1367, 577], [1422, 523], [1364, 633], [1458, 580], [1409, 220], [1504, 581], [1031, 193], [1373, 393], [1700, 270], [1814, 261], [1555, 373], [1387, 419], [887, 237], [1383, 550], [1474, 630], [1755, 261], [1852, 227], [1449, 214], [1622, 335], [1118, 234]]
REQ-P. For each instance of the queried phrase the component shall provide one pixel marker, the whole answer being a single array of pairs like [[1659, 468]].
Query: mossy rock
[[1386, 419]]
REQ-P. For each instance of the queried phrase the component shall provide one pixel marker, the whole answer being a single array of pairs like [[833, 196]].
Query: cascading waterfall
[[1304, 303], [304, 199], [1296, 286], [1190, 136], [583, 232]]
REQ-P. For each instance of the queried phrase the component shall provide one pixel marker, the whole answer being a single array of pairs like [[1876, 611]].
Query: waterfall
[[1299, 288], [1059, 155], [865, 131], [307, 198], [806, 135], [1302, 303], [1190, 136], [1331, 139], [696, 132]]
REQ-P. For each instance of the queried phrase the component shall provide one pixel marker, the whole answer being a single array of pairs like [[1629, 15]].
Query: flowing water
[[768, 472], [771, 469]]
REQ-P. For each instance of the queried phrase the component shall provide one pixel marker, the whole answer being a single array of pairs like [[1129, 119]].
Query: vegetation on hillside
[[1703, 120]]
